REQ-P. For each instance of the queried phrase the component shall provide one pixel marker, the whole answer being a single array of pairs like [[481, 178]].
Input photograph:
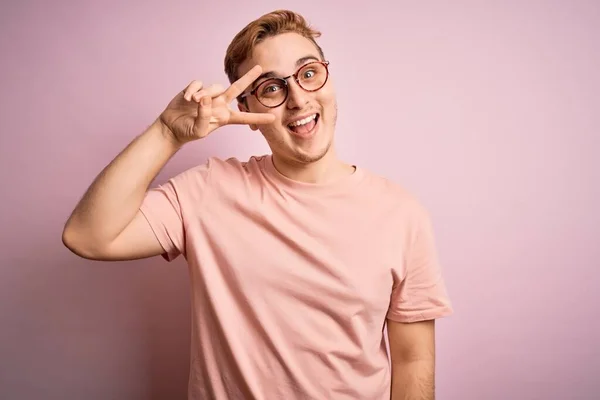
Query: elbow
[[70, 241], [77, 243]]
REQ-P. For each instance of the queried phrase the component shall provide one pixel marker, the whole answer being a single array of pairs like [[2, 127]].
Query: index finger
[[248, 118], [241, 84]]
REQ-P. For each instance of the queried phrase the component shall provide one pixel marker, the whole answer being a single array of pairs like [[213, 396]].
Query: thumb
[[202, 123]]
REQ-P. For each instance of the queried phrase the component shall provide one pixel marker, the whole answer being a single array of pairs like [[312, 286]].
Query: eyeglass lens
[[273, 92]]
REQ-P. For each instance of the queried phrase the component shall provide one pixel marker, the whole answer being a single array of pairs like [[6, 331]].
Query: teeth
[[303, 121]]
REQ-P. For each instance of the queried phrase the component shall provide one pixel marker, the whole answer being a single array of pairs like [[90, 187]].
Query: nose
[[297, 97]]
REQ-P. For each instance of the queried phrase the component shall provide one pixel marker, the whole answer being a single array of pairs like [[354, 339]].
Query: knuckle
[[193, 86]]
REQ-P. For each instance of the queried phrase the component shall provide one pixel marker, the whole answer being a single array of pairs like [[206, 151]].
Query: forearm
[[113, 199], [414, 380]]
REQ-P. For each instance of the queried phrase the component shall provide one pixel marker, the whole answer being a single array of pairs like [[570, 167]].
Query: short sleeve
[[419, 292], [167, 206]]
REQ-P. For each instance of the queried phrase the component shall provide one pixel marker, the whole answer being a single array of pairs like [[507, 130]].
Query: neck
[[329, 168]]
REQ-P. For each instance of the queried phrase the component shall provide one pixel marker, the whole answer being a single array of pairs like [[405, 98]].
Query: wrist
[[163, 133]]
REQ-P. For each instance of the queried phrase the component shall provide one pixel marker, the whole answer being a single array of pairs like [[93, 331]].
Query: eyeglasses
[[273, 92]]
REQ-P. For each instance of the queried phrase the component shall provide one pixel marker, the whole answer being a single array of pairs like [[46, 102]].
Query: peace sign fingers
[[248, 118], [241, 84]]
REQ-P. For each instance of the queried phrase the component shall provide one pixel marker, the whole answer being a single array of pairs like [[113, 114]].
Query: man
[[297, 259]]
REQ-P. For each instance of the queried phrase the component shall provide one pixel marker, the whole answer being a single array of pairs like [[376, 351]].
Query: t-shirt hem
[[422, 316], [159, 232]]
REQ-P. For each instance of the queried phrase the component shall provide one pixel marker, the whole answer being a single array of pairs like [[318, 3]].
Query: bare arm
[[412, 347], [107, 223]]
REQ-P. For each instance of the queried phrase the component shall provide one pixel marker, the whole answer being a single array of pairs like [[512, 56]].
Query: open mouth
[[304, 126]]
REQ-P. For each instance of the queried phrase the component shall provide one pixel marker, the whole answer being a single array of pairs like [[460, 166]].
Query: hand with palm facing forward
[[197, 111]]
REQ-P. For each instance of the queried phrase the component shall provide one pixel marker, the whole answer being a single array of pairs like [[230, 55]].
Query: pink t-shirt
[[291, 283]]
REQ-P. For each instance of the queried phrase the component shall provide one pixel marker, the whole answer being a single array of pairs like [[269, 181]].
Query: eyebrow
[[272, 74]]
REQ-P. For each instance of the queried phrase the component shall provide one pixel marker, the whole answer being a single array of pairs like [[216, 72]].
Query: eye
[[308, 73], [270, 89]]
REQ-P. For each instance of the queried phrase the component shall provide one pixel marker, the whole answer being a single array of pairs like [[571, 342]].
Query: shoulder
[[395, 198], [216, 168], [234, 166], [222, 177], [393, 191]]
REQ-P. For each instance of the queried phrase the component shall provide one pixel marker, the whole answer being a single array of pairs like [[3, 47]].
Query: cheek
[[326, 96], [254, 108], [328, 102]]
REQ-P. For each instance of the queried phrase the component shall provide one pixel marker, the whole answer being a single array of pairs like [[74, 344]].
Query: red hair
[[269, 25]]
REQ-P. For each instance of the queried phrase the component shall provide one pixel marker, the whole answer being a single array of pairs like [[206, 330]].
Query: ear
[[242, 107]]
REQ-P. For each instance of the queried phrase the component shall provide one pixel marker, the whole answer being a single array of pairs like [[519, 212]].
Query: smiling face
[[304, 126]]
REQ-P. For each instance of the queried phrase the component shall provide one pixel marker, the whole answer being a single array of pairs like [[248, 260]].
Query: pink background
[[489, 111]]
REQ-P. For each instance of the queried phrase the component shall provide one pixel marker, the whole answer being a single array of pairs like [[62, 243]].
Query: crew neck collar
[[340, 184]]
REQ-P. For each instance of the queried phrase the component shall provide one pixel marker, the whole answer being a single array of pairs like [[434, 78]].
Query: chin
[[312, 153], [303, 146]]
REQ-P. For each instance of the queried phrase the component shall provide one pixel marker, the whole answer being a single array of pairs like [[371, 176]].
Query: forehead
[[280, 53]]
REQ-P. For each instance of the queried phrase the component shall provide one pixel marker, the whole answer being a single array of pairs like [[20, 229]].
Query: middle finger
[[212, 91]]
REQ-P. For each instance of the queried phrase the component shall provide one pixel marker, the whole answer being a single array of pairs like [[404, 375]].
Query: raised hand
[[197, 110]]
